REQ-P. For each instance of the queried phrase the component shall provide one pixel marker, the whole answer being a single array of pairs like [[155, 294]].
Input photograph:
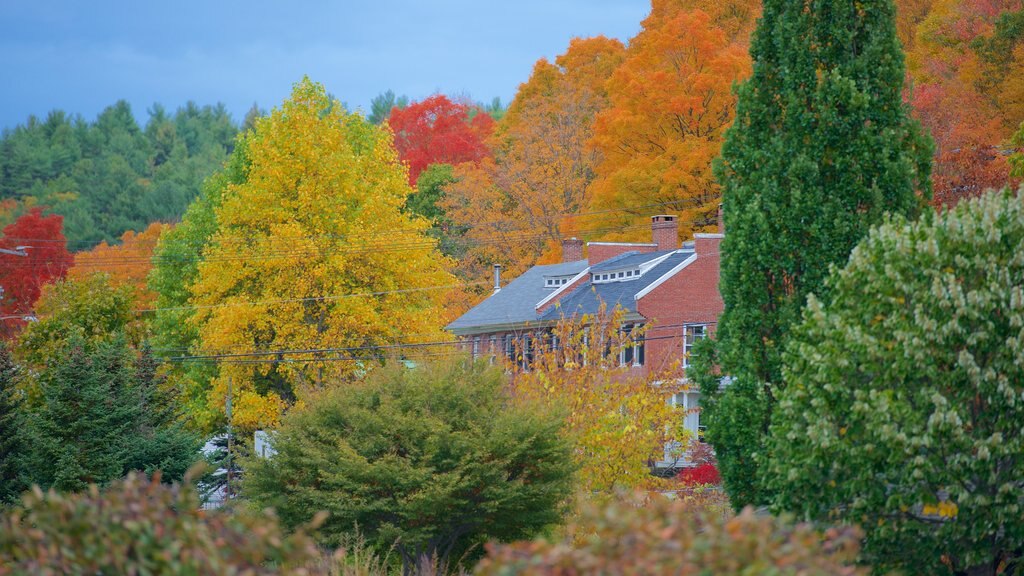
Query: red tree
[[439, 131], [22, 277]]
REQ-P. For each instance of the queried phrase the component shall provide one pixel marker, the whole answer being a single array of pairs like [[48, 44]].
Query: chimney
[[497, 278], [665, 231], [572, 249], [721, 219]]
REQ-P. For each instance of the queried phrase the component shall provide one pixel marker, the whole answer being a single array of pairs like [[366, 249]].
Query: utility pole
[[228, 488]]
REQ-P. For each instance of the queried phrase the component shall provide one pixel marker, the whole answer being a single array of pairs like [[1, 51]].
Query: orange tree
[[671, 101], [128, 263], [618, 421]]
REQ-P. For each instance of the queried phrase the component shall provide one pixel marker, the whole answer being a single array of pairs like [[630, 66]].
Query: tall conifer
[[822, 146]]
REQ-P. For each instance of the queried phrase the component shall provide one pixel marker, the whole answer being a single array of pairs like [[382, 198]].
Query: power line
[[681, 203], [378, 347]]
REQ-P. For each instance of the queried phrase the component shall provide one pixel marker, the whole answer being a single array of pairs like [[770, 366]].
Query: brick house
[[670, 289]]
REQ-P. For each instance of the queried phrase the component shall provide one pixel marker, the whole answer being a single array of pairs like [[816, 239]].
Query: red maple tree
[[22, 278], [439, 131]]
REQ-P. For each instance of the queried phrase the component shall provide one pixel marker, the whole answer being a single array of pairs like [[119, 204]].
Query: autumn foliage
[[127, 264], [304, 258], [619, 421], [671, 101], [22, 277], [437, 130]]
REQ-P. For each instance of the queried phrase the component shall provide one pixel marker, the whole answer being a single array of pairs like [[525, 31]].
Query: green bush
[[140, 526], [905, 394], [431, 462], [672, 537]]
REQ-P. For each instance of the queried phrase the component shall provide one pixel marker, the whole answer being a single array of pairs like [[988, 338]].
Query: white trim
[[646, 266], [665, 277], [706, 236], [562, 288], [619, 244]]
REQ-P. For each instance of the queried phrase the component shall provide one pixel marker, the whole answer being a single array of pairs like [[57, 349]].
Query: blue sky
[[82, 56]]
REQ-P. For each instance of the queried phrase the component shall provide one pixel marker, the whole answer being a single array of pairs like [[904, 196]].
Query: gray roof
[[516, 303], [587, 298], [628, 260]]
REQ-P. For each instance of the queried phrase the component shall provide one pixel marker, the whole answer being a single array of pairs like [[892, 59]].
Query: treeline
[[112, 175]]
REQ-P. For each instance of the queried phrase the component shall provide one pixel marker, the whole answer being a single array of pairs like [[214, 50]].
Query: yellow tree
[[127, 264], [671, 100], [313, 252], [515, 206], [619, 421]]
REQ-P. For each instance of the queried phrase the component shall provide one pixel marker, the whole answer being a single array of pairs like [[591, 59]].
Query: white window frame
[[690, 337]]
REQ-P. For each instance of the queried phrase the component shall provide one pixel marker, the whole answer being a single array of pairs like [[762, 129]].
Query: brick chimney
[[721, 220], [665, 231], [572, 249]]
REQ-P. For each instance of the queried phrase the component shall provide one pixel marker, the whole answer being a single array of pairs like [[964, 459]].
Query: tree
[[12, 446], [382, 105], [439, 131], [516, 208], [175, 269], [822, 147], [618, 422], [670, 105], [94, 422], [902, 406], [310, 250], [432, 460], [97, 407], [139, 526], [127, 264], [22, 277]]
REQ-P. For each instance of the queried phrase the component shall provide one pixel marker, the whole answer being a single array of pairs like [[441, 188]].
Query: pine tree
[[822, 147], [11, 445]]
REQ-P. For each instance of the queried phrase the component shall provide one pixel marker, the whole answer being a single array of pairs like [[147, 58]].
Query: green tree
[[175, 269], [822, 147], [431, 460], [98, 418], [382, 104], [427, 201], [902, 408], [12, 445]]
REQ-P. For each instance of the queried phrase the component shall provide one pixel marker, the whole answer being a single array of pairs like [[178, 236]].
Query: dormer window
[[617, 276], [555, 282]]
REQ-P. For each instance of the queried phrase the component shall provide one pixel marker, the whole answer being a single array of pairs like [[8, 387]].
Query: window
[[510, 349], [691, 334], [476, 347], [492, 348]]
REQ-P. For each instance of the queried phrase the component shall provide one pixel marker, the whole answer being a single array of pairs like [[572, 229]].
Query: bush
[[700, 475], [903, 405], [431, 461], [140, 526], [669, 537]]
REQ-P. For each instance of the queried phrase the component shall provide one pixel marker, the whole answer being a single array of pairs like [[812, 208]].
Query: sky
[[82, 56]]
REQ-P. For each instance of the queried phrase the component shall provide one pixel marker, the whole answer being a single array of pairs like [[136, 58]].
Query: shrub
[[140, 526], [700, 475], [669, 537], [903, 405], [432, 461]]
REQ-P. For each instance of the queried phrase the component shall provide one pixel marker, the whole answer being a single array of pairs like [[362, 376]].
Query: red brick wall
[[689, 297], [599, 252]]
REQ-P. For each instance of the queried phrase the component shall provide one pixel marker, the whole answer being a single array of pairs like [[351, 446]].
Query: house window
[[476, 347], [492, 347], [510, 349], [638, 350], [691, 334]]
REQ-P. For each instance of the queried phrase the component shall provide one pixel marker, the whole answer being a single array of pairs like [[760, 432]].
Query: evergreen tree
[[11, 445], [100, 417], [821, 148]]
